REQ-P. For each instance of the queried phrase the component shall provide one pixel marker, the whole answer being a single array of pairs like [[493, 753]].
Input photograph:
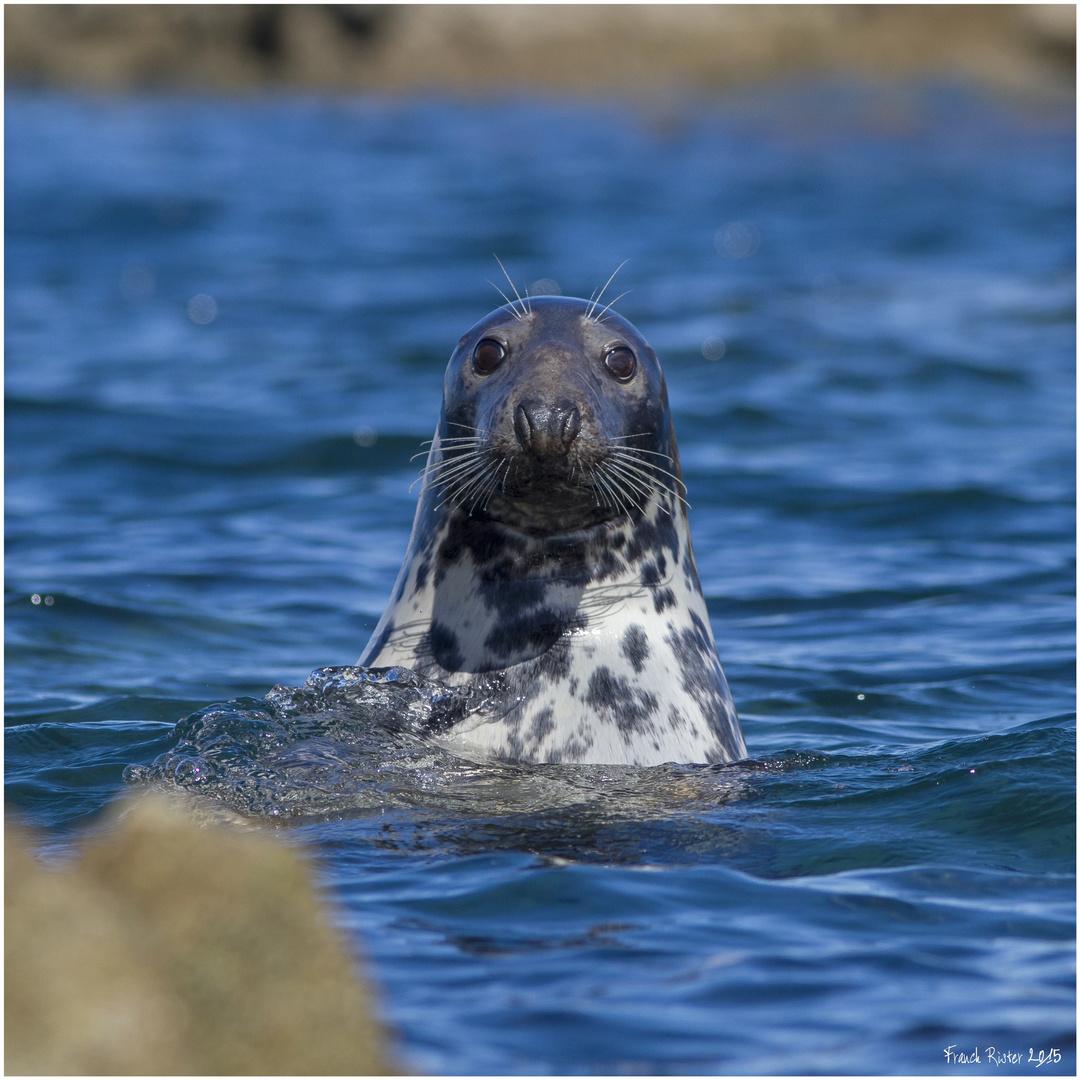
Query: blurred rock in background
[[588, 48], [172, 948]]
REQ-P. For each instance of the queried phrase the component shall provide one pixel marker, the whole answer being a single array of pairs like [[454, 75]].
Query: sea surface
[[226, 327]]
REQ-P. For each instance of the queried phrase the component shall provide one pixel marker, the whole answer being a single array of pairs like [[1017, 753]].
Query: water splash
[[355, 739]]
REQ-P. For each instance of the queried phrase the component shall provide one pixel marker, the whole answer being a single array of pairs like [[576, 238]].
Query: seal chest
[[550, 558]]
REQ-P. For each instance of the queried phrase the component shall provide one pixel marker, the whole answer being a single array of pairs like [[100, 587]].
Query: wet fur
[[563, 582]]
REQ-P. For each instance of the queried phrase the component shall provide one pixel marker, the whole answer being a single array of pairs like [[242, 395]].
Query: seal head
[[550, 560]]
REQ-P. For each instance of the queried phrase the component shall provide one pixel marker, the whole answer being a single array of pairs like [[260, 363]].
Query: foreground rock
[[177, 949]]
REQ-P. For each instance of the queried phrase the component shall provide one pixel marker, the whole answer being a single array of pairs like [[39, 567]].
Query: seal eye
[[488, 356], [621, 363]]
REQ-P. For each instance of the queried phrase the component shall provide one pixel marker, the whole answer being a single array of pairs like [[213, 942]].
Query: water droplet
[[365, 436], [545, 286], [713, 348], [35, 599], [202, 309], [737, 239]]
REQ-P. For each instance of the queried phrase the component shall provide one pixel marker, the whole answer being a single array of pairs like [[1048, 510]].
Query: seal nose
[[547, 429]]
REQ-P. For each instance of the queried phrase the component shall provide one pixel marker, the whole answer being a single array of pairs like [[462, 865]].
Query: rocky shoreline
[[586, 49]]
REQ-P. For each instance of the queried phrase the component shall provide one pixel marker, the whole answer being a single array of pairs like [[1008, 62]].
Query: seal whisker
[[451, 490], [646, 493], [474, 492], [450, 477], [445, 472], [440, 472], [595, 482], [645, 488], [458, 490], [617, 491], [491, 487], [635, 450], [454, 476], [648, 469], [593, 304], [600, 318], [632, 497], [645, 477], [457, 457], [486, 488], [509, 302], [458, 444], [626, 456], [641, 484], [610, 498], [524, 311], [506, 473], [638, 449], [466, 497], [632, 487]]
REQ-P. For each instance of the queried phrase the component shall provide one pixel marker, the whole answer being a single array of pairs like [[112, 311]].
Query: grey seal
[[550, 559]]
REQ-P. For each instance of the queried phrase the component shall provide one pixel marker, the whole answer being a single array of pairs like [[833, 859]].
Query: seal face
[[550, 556]]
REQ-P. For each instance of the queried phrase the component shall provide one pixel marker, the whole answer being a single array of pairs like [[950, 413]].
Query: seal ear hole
[[621, 362], [488, 355]]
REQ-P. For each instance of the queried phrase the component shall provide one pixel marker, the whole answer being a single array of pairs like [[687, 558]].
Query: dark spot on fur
[[442, 643], [422, 574], [542, 724], [530, 633], [651, 537], [574, 749], [483, 541], [606, 564], [618, 702], [688, 561], [555, 663], [567, 552], [511, 598], [650, 575], [635, 647], [662, 600], [704, 681]]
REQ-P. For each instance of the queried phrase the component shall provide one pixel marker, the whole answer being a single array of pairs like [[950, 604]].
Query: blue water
[[226, 325]]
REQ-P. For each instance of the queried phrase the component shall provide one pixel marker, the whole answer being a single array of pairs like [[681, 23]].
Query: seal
[[550, 562]]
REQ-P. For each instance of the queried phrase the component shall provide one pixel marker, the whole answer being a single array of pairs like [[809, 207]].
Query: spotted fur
[[551, 551]]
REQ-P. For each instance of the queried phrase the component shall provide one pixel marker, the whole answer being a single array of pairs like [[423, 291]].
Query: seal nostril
[[571, 425], [523, 427]]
